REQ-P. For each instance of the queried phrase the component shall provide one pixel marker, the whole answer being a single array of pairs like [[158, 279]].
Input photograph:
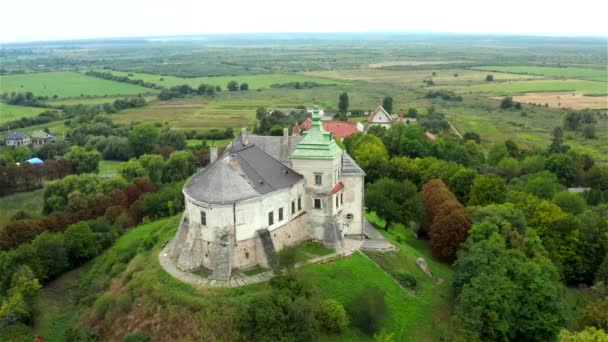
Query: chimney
[[244, 136], [285, 132], [401, 115], [212, 154]]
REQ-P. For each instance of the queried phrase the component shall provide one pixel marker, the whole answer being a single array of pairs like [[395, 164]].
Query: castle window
[[280, 214], [246, 255], [341, 198], [299, 203], [318, 179], [270, 218], [337, 201], [317, 204], [203, 218], [293, 207]]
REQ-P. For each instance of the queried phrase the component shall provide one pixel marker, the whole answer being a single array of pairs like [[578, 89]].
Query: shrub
[[137, 336], [369, 310], [406, 280], [332, 316]]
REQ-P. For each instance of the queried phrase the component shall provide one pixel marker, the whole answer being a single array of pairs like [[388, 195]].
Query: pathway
[[375, 241], [454, 129]]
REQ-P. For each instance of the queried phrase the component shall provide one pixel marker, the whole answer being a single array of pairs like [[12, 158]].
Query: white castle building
[[265, 193]]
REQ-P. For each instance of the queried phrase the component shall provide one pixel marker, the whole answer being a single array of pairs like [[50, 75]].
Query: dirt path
[[454, 129]]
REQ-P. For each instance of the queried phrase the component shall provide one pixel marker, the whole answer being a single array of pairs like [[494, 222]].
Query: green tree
[[81, 243], [387, 103], [365, 148], [472, 136], [51, 255], [83, 161], [332, 316], [368, 310], [489, 78], [395, 201], [557, 141], [244, 86], [133, 169], [144, 138], [487, 189], [117, 148], [233, 86], [460, 184], [179, 166], [343, 103], [570, 202], [154, 165], [508, 167], [175, 139]]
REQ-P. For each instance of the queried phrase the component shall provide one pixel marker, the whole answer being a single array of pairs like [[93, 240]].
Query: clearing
[[68, 84], [564, 100], [519, 87], [30, 202], [11, 112], [562, 72]]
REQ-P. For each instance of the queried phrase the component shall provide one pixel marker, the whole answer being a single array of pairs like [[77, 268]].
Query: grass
[[92, 100], [198, 142], [255, 270], [30, 202], [309, 249], [11, 112], [533, 86], [68, 84], [254, 81], [569, 72], [109, 167]]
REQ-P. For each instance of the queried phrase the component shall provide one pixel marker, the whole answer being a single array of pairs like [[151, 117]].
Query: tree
[[83, 161], [557, 141], [448, 231], [461, 182], [175, 139], [132, 169], [589, 334], [395, 201], [343, 103], [332, 316], [387, 103], [154, 165], [260, 113], [412, 113], [179, 166], [589, 132], [487, 189], [365, 148], [472, 136], [508, 167], [564, 166], [233, 86], [506, 103], [489, 78], [144, 138], [570, 202], [81, 243], [368, 310], [117, 148], [244, 86], [51, 255]]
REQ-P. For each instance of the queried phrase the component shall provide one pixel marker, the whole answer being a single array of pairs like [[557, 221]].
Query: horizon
[[65, 20]]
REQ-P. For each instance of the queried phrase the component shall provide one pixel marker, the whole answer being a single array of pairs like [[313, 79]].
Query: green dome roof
[[317, 143]]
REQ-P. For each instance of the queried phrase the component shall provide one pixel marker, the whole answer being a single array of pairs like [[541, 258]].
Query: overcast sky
[[26, 20]]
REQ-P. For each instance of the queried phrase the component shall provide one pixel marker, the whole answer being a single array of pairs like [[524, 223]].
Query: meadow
[[562, 72], [11, 112], [254, 81], [30, 202], [91, 100], [67, 84], [532, 86]]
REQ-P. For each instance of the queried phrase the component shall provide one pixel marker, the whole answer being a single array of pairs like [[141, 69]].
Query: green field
[[67, 84], [254, 81], [109, 167], [11, 112], [569, 72], [519, 87], [92, 100], [30, 202]]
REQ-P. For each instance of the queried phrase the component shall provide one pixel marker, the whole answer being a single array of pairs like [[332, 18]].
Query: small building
[[380, 117], [40, 138], [430, 135], [18, 139], [340, 129]]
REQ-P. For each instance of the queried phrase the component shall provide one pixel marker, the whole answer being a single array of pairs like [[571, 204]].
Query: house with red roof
[[341, 129]]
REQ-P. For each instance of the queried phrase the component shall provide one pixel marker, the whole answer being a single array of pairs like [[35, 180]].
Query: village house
[[40, 138], [17, 139], [340, 129], [265, 193], [380, 117]]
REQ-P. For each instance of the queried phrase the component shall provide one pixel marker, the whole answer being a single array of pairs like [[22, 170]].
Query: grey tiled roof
[[242, 172], [350, 167], [16, 136], [278, 147]]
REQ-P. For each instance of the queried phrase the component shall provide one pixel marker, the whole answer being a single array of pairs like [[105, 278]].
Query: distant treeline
[[299, 85], [24, 99], [443, 94], [186, 90], [27, 177], [42, 118], [123, 79]]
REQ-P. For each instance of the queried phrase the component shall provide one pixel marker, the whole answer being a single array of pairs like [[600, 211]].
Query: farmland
[[569, 72], [67, 84], [11, 112], [520, 87], [565, 100]]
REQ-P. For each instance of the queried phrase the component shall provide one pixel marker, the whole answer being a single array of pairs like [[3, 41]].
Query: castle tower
[[319, 159]]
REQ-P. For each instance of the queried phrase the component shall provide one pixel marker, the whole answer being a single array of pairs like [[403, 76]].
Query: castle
[[265, 193]]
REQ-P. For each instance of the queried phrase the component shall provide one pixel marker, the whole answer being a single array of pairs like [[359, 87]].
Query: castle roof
[[16, 136], [317, 143], [242, 172], [341, 129]]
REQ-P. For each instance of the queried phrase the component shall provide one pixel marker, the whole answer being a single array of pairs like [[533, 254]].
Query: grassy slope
[[30, 202], [254, 81], [570, 72], [68, 84], [10, 112]]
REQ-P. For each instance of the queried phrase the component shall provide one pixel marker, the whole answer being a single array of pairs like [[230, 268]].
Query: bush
[[406, 280], [369, 310], [332, 316], [137, 336]]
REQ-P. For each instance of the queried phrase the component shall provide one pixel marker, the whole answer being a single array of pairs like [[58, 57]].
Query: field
[[520, 87], [67, 84], [569, 72], [109, 167], [92, 100], [565, 100], [11, 113], [30, 202], [254, 81]]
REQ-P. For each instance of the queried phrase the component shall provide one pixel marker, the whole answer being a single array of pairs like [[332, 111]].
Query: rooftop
[[16, 135], [317, 143]]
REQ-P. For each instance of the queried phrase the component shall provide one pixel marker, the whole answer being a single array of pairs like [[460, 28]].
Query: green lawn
[[569, 72], [30, 202], [254, 81], [11, 112], [109, 167], [67, 84], [519, 87]]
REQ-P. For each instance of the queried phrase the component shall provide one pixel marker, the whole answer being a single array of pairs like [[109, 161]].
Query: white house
[[18, 139]]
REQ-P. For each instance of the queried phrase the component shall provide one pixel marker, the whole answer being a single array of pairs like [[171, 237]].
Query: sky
[[35, 20]]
